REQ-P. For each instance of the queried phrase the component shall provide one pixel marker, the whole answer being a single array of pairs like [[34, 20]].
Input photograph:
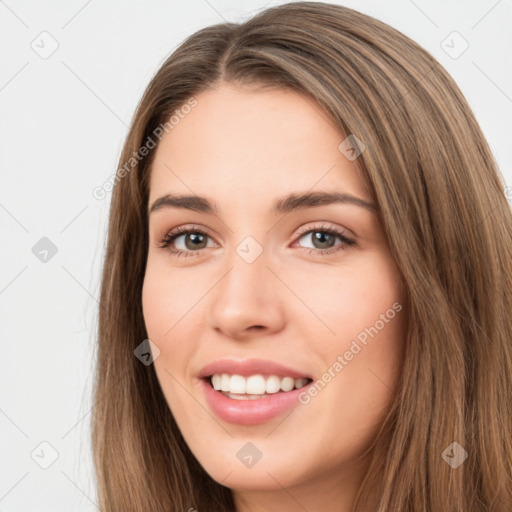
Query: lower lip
[[250, 412]]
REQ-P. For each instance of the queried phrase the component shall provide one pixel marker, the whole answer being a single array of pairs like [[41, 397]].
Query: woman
[[306, 293]]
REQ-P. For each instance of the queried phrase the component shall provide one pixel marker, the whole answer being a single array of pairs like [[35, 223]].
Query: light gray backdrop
[[71, 75]]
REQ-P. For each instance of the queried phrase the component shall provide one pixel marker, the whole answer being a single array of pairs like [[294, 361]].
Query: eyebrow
[[295, 201]]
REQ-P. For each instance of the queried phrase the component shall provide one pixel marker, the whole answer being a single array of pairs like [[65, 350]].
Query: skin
[[243, 148]]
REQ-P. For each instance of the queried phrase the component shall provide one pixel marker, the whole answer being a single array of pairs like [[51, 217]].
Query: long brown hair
[[442, 205]]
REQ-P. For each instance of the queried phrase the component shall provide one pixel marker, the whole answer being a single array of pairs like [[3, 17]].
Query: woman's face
[[262, 290]]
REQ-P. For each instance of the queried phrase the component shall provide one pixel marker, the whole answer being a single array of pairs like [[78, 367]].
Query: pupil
[[320, 235], [195, 237]]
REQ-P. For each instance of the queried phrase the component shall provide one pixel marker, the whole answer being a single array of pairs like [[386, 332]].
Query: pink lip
[[249, 412], [250, 367]]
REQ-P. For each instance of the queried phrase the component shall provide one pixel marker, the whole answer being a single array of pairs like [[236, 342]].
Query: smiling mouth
[[254, 387]]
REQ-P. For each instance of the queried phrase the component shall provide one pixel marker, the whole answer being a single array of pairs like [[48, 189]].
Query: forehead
[[255, 144]]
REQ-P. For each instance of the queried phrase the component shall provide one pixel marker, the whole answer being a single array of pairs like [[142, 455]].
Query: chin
[[266, 474]]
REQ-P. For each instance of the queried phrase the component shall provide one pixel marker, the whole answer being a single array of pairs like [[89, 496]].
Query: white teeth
[[300, 382], [244, 397], [287, 384], [273, 384], [237, 384], [224, 382], [254, 385], [216, 381]]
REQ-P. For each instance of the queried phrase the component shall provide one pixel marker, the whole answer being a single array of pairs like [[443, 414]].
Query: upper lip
[[248, 367]]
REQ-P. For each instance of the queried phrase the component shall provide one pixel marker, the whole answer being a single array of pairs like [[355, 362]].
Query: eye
[[194, 239], [323, 239]]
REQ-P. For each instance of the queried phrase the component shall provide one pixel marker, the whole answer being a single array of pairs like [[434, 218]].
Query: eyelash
[[170, 237]]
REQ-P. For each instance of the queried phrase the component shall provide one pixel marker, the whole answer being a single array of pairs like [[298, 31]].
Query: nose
[[247, 301]]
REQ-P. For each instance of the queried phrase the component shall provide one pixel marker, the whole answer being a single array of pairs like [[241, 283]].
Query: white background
[[63, 120]]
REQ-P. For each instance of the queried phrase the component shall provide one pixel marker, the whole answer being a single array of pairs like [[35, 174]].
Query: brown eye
[[192, 241], [323, 239], [196, 240]]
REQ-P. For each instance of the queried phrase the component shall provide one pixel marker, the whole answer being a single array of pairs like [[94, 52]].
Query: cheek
[[162, 309], [361, 361], [358, 336], [349, 299], [165, 299], [165, 317]]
